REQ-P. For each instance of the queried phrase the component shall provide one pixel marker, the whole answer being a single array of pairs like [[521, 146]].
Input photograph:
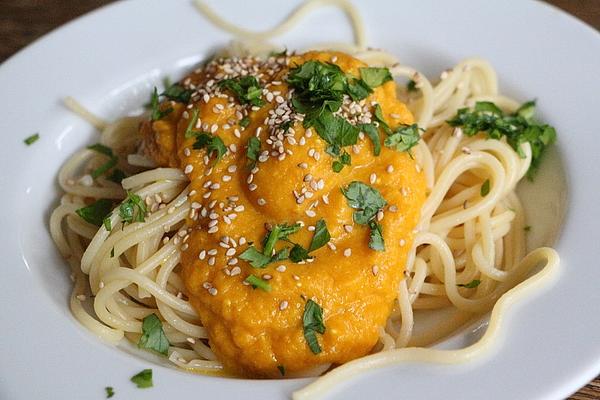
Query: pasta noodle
[[133, 270]]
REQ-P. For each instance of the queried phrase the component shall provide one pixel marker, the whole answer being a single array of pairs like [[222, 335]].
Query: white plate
[[550, 344]]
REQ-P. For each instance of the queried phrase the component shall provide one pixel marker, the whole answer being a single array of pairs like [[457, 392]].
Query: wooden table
[[23, 21]]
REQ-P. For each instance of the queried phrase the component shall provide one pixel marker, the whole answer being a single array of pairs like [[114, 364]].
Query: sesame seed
[[325, 198], [250, 179], [252, 187], [379, 215], [283, 305], [212, 252], [372, 178], [213, 291], [188, 168], [232, 168], [267, 277], [308, 178], [233, 147], [191, 340], [261, 202], [230, 252], [211, 261], [233, 261], [466, 150], [226, 178], [281, 268], [348, 228], [347, 252], [390, 169], [393, 208], [184, 247], [213, 229], [310, 213], [235, 271], [404, 191], [101, 284], [239, 208], [311, 228], [300, 199], [396, 116], [402, 242], [202, 255], [186, 152], [81, 297], [242, 240]]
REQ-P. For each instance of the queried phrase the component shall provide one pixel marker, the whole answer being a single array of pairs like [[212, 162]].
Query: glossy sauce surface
[[253, 331]]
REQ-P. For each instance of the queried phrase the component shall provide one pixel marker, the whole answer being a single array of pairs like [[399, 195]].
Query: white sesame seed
[[213, 291], [375, 270], [235, 271], [226, 178], [261, 201], [101, 284], [393, 208], [202, 255], [347, 252], [390, 169], [281, 268], [213, 229], [184, 247], [283, 305], [232, 168], [325, 198], [348, 228], [396, 116], [81, 297], [311, 228], [186, 152], [191, 340], [211, 261], [188, 168], [252, 187], [230, 252], [372, 178], [233, 261], [310, 213], [242, 240], [379, 215], [233, 147], [402, 242]]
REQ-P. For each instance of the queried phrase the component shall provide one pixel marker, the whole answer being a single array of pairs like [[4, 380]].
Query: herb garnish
[[471, 285], [253, 149], [143, 379], [156, 113], [31, 139], [96, 212], [117, 176], [485, 188], [132, 209], [373, 134], [153, 336], [257, 282], [189, 130], [411, 86], [312, 323], [110, 392], [281, 369], [367, 201], [107, 151], [214, 145], [246, 89], [374, 76], [177, 93], [321, 236], [298, 254], [244, 122], [403, 138], [107, 224], [518, 128]]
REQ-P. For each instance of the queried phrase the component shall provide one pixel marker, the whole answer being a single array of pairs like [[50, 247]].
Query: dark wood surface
[[23, 21]]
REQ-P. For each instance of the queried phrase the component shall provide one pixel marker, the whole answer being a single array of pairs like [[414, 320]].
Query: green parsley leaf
[[281, 369], [411, 86], [317, 87], [336, 131], [189, 130], [244, 122], [256, 258], [278, 232], [358, 89], [102, 149], [246, 89], [110, 392], [374, 77], [156, 113], [378, 113], [107, 151], [518, 128], [299, 253], [344, 159], [376, 237], [107, 224], [485, 188], [132, 209], [471, 285], [153, 336], [214, 145], [312, 323], [253, 149], [373, 134], [178, 93], [365, 199], [96, 212], [31, 139], [257, 282], [320, 237], [117, 176], [403, 138], [143, 380]]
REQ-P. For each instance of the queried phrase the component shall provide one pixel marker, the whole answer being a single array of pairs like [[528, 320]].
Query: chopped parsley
[[278, 232], [253, 149], [96, 212], [281, 369], [143, 379], [299, 254], [107, 224], [373, 134], [189, 130], [485, 188], [411, 86], [156, 113], [367, 201], [244, 122], [177, 93], [312, 323], [403, 138], [255, 257], [320, 237], [471, 285], [374, 77], [117, 175], [153, 336], [376, 237], [213, 144], [318, 93], [110, 392], [246, 89], [132, 209], [518, 128], [31, 139], [112, 159], [257, 282]]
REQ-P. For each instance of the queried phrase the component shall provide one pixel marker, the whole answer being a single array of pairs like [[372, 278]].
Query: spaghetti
[[133, 270]]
